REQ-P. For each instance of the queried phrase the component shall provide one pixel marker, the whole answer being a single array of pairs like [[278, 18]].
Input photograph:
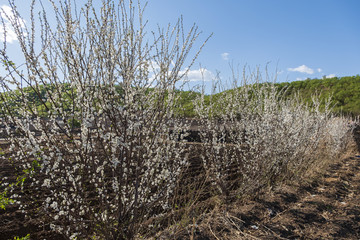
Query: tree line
[[344, 93]]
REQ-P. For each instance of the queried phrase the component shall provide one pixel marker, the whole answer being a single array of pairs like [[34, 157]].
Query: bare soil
[[328, 208]]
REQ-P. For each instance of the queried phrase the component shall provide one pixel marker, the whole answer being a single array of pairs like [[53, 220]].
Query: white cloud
[[330, 76], [197, 75], [302, 69], [319, 70], [300, 79], [6, 15], [225, 56]]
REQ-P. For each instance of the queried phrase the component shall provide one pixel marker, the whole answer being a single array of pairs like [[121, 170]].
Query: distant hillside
[[345, 92]]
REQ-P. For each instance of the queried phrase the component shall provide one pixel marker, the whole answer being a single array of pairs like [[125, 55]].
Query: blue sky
[[299, 39]]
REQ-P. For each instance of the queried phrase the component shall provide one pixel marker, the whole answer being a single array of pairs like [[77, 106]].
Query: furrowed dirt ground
[[326, 207]]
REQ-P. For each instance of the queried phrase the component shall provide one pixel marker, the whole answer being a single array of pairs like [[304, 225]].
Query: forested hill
[[345, 92]]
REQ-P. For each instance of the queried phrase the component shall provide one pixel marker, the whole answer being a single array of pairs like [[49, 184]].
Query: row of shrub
[[108, 180]]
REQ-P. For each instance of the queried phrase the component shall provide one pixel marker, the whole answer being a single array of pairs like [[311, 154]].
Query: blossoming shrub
[[98, 122], [254, 136]]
